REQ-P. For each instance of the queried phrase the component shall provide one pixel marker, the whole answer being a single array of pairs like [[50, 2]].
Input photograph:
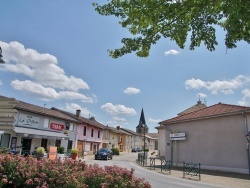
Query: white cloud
[[171, 52], [115, 110], [151, 120], [246, 93], [47, 93], [246, 98], [201, 95], [72, 107], [131, 90], [119, 119], [243, 103], [41, 68], [225, 86], [47, 81]]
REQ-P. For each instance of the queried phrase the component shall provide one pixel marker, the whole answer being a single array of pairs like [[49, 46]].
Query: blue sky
[[56, 56]]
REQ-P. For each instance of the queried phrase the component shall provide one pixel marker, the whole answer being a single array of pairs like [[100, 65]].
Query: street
[[157, 180]]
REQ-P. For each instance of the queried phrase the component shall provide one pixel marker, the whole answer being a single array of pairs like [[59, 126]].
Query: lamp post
[[1, 57], [144, 152]]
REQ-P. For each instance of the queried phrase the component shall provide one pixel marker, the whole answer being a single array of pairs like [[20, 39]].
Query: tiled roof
[[43, 111], [208, 112], [153, 135], [196, 107], [81, 119], [129, 131], [120, 131]]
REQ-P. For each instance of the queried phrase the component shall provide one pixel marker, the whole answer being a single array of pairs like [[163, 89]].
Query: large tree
[[150, 20]]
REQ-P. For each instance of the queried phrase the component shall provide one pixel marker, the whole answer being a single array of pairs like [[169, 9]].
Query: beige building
[[216, 136]]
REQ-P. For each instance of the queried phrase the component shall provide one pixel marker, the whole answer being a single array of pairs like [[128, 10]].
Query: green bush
[[115, 151], [146, 150], [60, 149]]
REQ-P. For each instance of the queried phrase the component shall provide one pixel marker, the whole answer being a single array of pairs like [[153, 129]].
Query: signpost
[[178, 136]]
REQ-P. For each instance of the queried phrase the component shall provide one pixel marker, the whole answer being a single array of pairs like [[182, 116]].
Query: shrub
[[28, 172], [115, 151], [40, 150], [60, 150], [146, 150], [74, 150]]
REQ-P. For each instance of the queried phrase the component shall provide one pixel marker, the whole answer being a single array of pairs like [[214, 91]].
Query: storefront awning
[[35, 133]]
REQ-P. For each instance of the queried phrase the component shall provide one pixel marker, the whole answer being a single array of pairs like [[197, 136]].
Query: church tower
[[142, 124]]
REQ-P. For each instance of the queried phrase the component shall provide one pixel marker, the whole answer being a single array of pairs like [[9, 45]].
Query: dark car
[[139, 149], [134, 150], [104, 153]]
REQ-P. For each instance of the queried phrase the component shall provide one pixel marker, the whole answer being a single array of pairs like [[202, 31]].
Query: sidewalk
[[219, 178]]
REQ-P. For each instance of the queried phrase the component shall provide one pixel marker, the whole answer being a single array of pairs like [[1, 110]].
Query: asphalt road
[[156, 180]]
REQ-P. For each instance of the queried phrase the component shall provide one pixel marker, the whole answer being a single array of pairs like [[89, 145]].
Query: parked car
[[134, 150], [104, 153], [139, 149]]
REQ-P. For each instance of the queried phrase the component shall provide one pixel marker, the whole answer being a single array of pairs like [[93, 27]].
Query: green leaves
[[149, 20]]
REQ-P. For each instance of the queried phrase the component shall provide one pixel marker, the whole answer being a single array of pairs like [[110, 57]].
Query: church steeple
[[142, 118], [142, 124]]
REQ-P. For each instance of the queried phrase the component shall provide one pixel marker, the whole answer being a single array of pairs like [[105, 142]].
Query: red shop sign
[[56, 126]]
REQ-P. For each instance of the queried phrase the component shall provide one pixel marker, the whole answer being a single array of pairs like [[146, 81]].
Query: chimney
[[118, 127], [78, 113]]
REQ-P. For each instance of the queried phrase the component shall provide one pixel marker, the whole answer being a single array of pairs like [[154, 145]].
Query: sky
[[56, 56]]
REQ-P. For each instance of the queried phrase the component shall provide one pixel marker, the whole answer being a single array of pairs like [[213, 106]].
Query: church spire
[[142, 124], [142, 118]]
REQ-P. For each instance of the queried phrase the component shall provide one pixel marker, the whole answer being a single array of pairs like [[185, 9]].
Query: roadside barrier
[[141, 160], [192, 169], [164, 164]]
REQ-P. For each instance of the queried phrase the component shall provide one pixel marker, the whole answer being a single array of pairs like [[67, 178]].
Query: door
[[80, 148], [94, 149], [26, 144], [44, 143]]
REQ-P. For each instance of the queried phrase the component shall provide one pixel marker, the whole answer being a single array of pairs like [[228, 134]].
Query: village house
[[34, 126], [89, 133], [216, 136]]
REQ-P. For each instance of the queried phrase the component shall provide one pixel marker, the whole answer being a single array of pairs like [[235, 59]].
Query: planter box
[[60, 156]]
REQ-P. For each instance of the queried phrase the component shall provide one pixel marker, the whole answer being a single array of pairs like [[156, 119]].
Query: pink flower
[[4, 180]]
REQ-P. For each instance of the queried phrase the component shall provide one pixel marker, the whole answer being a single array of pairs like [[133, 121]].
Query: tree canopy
[[150, 20]]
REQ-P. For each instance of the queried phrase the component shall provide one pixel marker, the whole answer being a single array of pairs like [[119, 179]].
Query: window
[[84, 130], [67, 126], [98, 133], [91, 145], [58, 143], [92, 132], [5, 140], [70, 144]]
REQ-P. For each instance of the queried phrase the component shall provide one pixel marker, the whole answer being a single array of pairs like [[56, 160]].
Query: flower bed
[[28, 172]]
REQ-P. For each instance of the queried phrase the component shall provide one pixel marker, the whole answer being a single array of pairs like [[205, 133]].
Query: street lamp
[[144, 152], [1, 57]]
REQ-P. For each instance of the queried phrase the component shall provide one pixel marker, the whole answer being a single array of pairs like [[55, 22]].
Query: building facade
[[35, 126], [215, 136]]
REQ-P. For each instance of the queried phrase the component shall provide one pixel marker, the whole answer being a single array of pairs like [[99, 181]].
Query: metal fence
[[192, 169], [142, 160], [162, 163]]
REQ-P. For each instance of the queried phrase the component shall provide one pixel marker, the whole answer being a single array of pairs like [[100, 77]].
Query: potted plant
[[74, 153], [60, 152], [40, 152]]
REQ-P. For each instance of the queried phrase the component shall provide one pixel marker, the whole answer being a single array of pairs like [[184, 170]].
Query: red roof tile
[[196, 107], [208, 112], [82, 119]]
